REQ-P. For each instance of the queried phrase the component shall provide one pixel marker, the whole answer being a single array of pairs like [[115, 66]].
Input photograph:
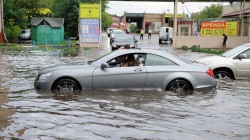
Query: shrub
[[12, 31], [72, 51], [184, 47]]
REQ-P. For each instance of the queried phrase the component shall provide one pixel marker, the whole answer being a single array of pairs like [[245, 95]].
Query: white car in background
[[233, 64]]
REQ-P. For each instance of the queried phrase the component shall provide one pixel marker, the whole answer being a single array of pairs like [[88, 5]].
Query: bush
[[72, 51], [184, 47], [196, 48], [12, 31]]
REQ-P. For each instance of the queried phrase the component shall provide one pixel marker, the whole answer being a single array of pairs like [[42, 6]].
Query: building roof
[[53, 22], [237, 13]]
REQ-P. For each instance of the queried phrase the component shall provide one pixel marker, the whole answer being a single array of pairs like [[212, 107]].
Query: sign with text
[[172, 15], [89, 31], [218, 28], [89, 11]]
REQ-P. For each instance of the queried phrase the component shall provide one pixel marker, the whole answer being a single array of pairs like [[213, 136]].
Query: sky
[[118, 8]]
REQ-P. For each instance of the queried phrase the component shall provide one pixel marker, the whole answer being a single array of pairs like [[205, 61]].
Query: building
[[47, 30]]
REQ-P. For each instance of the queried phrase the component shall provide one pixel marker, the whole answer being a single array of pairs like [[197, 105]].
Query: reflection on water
[[220, 114]]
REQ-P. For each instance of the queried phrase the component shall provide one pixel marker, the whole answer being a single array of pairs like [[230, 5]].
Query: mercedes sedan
[[233, 64], [128, 69]]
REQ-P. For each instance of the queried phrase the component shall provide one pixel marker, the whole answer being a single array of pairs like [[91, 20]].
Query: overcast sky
[[118, 8]]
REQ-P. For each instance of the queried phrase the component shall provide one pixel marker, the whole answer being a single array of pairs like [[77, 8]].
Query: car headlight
[[45, 76]]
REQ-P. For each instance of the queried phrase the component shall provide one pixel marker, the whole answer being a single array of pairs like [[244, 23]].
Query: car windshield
[[234, 51], [117, 32], [100, 58], [25, 31], [124, 39]]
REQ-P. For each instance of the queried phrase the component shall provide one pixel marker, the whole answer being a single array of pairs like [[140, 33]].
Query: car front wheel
[[66, 86], [222, 75], [179, 86]]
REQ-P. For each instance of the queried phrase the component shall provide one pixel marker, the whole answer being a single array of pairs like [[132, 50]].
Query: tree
[[213, 11], [12, 10], [21, 11], [69, 10]]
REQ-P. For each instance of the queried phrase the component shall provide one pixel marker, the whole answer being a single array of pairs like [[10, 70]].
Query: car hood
[[207, 60], [65, 66], [123, 43]]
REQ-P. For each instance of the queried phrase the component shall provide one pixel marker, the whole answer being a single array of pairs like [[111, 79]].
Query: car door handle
[[138, 69]]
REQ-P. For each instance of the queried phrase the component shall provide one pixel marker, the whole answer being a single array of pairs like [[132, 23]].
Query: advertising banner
[[172, 15], [218, 28], [89, 11], [89, 31], [232, 28]]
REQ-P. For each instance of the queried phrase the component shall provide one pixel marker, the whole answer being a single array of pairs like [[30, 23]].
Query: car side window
[[155, 60], [127, 60]]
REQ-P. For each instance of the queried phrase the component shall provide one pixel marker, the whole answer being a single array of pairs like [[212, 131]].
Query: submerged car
[[233, 64], [124, 41], [128, 69]]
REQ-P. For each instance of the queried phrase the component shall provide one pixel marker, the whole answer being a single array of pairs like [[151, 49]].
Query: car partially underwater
[[128, 69]]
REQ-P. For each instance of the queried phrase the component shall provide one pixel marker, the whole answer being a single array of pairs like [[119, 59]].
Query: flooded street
[[26, 114]]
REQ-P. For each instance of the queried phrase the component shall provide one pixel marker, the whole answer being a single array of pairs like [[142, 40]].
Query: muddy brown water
[[220, 114]]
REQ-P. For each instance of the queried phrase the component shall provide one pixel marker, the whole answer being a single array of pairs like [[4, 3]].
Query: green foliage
[[196, 48], [12, 31], [13, 10], [106, 20], [72, 51], [213, 11], [23, 10], [132, 28], [11, 47], [184, 47], [69, 10]]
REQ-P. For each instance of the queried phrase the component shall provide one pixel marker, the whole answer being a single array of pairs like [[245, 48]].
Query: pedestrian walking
[[224, 45], [141, 34], [149, 33]]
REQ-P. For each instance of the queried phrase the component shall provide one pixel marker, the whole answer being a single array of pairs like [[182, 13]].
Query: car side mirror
[[104, 66], [243, 56], [136, 41]]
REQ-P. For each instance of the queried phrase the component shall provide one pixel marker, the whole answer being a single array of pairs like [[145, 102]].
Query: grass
[[73, 50]]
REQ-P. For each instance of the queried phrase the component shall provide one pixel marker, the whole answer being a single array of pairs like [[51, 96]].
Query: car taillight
[[210, 72]]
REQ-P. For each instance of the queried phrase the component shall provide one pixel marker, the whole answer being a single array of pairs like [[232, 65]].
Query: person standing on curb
[[141, 34], [149, 33], [224, 42]]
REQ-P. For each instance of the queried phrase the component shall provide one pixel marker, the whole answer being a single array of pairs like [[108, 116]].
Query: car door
[[243, 66], [119, 78], [158, 69]]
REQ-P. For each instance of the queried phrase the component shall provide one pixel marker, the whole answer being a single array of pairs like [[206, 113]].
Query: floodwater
[[26, 114]]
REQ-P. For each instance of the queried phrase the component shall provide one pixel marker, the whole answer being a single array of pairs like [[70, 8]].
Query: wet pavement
[[26, 114]]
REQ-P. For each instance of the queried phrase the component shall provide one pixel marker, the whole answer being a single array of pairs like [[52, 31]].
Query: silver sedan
[[130, 69], [234, 64]]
